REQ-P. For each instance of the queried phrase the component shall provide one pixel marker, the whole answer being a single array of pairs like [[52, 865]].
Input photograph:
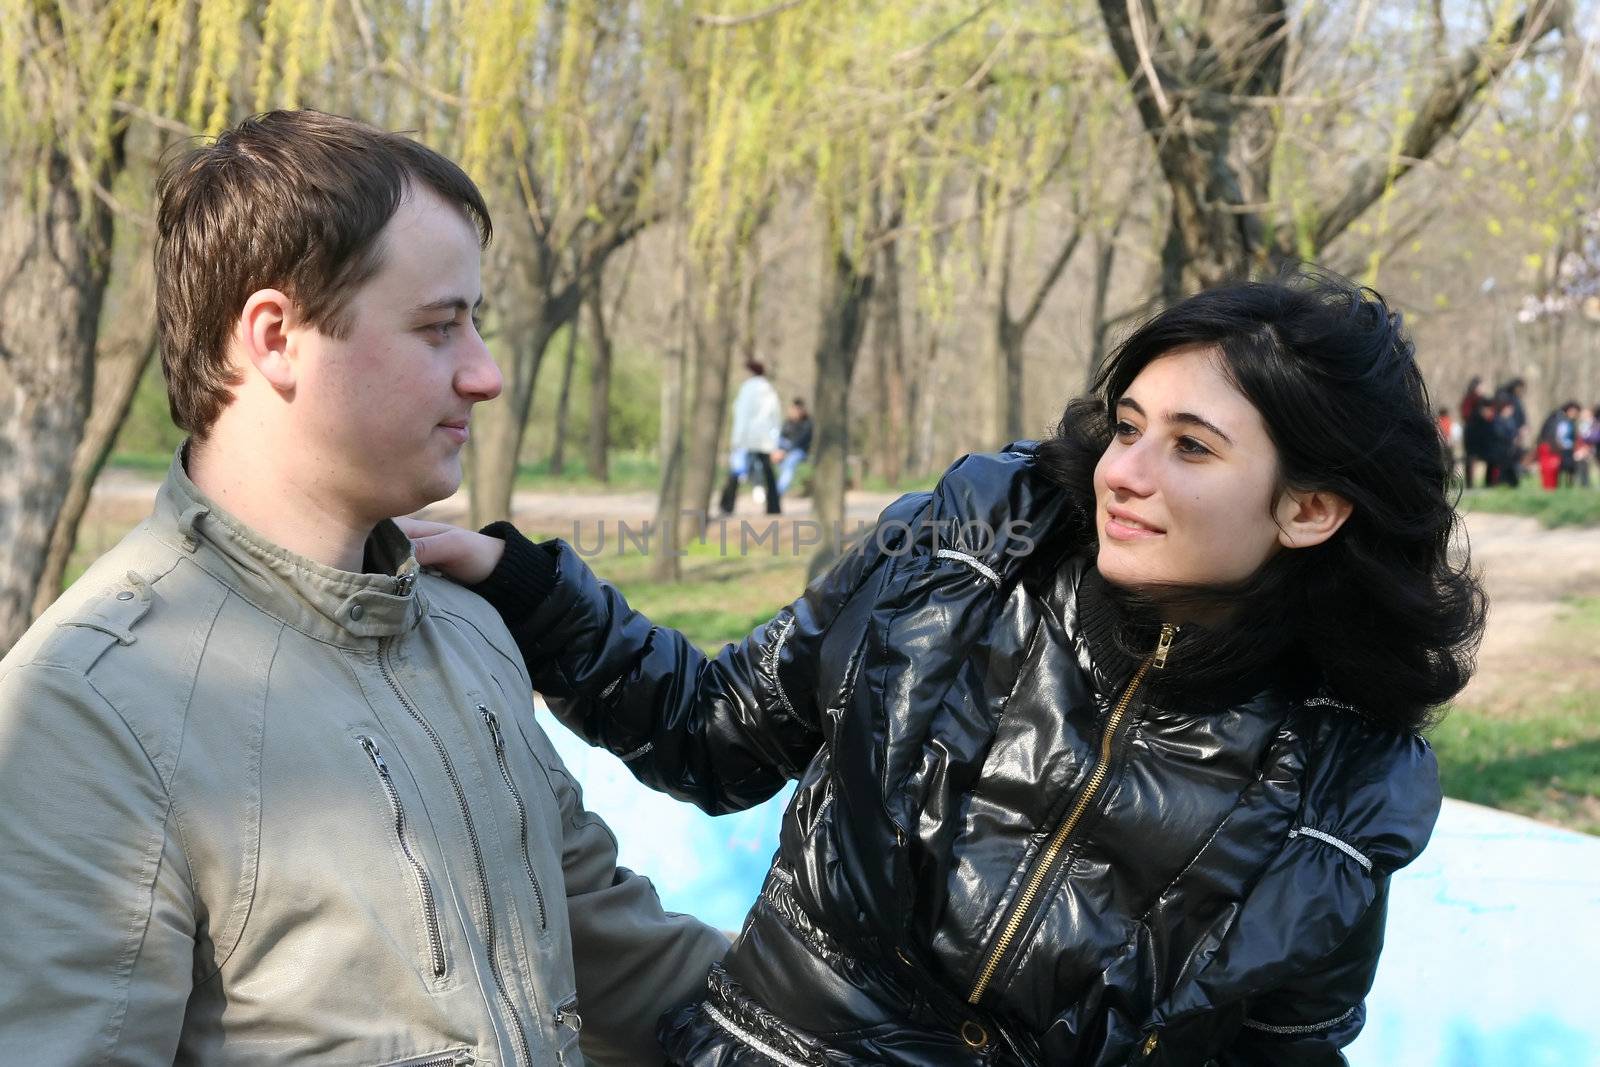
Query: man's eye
[[441, 329]]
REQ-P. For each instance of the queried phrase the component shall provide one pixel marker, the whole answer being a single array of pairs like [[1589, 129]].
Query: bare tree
[[1208, 85]]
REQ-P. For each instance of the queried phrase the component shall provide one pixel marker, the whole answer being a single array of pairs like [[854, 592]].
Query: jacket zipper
[[430, 912], [525, 1055], [454, 1059], [522, 809], [567, 1016], [1047, 859]]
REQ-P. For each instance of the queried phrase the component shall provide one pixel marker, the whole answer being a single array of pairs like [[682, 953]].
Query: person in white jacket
[[757, 418]]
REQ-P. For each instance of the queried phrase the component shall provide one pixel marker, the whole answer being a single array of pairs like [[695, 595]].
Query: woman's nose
[[1127, 468]]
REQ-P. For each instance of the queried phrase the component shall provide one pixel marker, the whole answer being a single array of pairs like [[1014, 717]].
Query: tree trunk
[[1005, 355], [55, 263], [714, 345], [669, 503], [1105, 261], [499, 425], [599, 390], [558, 458], [123, 351], [889, 352], [846, 290], [927, 384]]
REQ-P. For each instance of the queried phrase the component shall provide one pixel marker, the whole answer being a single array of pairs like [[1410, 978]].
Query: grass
[[1578, 506], [1534, 748], [630, 472], [721, 597], [154, 464]]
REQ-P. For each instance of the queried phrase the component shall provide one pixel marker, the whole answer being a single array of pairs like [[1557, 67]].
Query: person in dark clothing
[[1505, 456], [794, 443], [1475, 447], [1481, 442], [1107, 746]]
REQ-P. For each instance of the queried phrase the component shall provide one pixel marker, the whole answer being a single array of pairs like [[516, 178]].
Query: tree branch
[[742, 20], [1440, 114]]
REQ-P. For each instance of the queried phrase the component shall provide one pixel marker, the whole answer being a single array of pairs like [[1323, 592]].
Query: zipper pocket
[[568, 1025], [499, 739], [430, 912], [454, 1058]]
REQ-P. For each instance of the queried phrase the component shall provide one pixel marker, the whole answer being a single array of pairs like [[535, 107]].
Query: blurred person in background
[[757, 420], [794, 443]]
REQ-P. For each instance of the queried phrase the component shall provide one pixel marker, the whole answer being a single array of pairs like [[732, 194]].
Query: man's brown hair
[[290, 200]]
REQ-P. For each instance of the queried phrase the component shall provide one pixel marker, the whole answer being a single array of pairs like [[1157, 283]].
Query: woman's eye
[[1190, 447], [1124, 428]]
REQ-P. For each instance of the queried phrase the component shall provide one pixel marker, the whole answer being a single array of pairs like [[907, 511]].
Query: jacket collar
[[340, 607]]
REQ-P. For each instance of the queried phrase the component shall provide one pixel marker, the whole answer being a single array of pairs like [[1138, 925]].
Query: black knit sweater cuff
[[524, 577]]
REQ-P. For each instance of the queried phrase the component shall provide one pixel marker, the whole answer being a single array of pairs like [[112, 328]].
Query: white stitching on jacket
[[971, 561], [748, 1038], [773, 652], [1309, 1028], [640, 751], [1328, 839]]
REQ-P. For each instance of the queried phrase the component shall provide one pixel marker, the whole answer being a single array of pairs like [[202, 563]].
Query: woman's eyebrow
[[1188, 418]]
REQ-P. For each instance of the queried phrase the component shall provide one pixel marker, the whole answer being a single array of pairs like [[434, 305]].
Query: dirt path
[[1529, 571]]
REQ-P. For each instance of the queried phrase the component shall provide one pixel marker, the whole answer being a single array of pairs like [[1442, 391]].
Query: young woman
[[1107, 746]]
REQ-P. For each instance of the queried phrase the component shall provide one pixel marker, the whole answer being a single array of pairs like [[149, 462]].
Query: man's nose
[[479, 378]]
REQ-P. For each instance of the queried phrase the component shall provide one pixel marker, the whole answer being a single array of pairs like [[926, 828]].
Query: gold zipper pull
[[1164, 644]]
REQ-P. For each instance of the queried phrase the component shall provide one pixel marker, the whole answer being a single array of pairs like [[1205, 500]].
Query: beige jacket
[[254, 810]]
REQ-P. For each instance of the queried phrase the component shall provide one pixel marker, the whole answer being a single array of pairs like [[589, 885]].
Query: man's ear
[[1309, 518], [263, 335]]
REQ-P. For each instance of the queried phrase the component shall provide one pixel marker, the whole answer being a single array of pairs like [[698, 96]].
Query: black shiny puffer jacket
[[1008, 845]]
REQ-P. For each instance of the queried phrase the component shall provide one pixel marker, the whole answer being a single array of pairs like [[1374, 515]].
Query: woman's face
[[1185, 492]]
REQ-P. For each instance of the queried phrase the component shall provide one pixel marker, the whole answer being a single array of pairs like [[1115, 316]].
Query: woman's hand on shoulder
[[465, 555]]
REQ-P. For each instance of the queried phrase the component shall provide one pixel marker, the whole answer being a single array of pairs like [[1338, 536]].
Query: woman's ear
[[1309, 518], [263, 335]]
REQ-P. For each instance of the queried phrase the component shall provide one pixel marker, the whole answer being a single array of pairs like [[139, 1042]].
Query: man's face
[[383, 412]]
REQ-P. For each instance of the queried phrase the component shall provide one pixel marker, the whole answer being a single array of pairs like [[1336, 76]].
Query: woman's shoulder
[[1370, 785], [996, 506]]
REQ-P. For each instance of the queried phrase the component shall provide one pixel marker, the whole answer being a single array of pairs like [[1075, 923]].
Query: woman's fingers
[[465, 555]]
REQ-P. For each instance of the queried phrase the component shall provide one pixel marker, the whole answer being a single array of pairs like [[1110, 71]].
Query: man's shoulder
[[125, 638], [470, 611]]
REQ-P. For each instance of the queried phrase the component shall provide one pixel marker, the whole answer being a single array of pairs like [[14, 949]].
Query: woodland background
[[929, 217]]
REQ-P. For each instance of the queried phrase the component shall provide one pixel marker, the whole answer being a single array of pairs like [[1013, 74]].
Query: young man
[[794, 443], [269, 793]]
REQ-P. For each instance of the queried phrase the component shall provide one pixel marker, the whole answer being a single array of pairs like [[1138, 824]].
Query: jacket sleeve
[[633, 961], [724, 732], [1307, 1020], [97, 956], [1370, 808]]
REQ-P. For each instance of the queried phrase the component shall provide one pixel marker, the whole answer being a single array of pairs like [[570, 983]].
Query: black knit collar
[[1208, 664]]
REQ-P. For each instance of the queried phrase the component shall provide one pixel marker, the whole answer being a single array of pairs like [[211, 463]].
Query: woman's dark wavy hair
[[1380, 611]]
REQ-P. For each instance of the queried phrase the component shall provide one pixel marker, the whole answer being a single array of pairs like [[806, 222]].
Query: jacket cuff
[[524, 577]]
